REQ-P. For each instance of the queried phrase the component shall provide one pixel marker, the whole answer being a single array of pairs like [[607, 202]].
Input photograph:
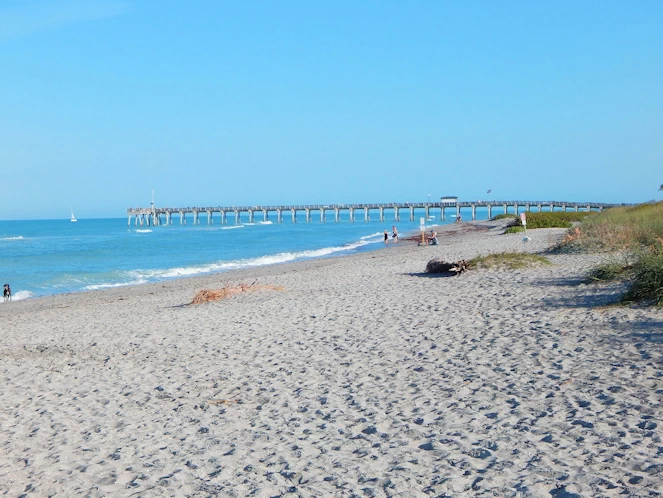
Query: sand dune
[[364, 377]]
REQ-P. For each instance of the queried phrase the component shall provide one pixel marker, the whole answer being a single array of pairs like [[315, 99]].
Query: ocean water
[[39, 258]]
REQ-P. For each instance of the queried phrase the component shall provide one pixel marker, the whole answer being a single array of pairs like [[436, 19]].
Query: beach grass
[[606, 272], [646, 282], [636, 233], [620, 229], [510, 260]]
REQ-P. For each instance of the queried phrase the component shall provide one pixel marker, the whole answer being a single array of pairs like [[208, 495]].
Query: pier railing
[[161, 215]]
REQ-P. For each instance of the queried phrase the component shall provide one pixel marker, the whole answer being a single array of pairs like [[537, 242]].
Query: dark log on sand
[[439, 266]]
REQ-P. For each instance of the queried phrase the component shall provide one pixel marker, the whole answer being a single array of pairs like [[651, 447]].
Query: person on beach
[[459, 218], [6, 293], [394, 233], [432, 238], [386, 237]]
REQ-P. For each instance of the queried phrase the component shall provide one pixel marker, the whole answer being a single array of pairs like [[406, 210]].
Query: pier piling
[[152, 216]]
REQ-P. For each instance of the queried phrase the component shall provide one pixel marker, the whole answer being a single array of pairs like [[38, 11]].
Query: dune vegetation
[[510, 260], [635, 233], [554, 219]]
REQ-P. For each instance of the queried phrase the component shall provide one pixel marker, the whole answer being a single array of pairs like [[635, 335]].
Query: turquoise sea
[[44, 257]]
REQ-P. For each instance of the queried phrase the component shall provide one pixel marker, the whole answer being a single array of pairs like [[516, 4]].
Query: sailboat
[[73, 218]]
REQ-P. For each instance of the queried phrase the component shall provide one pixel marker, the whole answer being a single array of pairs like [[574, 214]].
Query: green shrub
[[511, 260], [554, 219], [515, 229], [502, 216]]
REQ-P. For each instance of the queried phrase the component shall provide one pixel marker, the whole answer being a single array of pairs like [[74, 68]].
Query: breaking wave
[[376, 235], [119, 284], [220, 266], [21, 295]]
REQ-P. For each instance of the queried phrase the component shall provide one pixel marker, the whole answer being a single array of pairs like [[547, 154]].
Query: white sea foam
[[271, 259], [20, 295], [20, 237], [144, 231], [111, 286], [230, 228], [265, 222], [375, 235]]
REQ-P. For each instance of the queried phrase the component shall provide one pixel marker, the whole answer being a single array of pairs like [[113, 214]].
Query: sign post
[[422, 226], [523, 220]]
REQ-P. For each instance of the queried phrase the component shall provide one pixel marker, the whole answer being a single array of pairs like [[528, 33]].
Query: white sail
[[73, 218]]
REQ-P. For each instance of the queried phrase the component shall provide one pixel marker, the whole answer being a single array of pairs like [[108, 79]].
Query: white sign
[[523, 219], [422, 224]]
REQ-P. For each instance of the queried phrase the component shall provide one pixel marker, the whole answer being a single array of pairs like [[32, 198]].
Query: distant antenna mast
[[152, 198]]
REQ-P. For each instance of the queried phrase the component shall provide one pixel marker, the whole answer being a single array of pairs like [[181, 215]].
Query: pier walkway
[[159, 216]]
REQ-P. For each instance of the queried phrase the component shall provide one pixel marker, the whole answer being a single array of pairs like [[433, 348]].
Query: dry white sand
[[364, 377]]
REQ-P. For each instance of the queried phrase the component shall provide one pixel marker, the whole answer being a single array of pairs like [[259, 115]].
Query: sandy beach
[[362, 377]]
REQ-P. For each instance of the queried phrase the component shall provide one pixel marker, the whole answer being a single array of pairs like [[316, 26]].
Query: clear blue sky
[[280, 102]]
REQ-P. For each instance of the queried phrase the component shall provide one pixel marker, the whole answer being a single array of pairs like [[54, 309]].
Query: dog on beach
[[7, 293]]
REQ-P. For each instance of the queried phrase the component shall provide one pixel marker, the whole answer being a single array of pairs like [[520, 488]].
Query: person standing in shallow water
[[394, 233], [386, 237]]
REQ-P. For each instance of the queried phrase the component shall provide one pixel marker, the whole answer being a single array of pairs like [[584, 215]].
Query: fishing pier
[[154, 216]]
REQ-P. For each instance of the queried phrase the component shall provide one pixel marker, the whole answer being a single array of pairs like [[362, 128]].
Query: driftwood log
[[439, 266]]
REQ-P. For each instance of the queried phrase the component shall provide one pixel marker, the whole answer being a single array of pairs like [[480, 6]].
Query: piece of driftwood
[[438, 266]]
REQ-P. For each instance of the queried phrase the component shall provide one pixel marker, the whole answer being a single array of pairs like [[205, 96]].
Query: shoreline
[[364, 375], [337, 251], [410, 237]]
